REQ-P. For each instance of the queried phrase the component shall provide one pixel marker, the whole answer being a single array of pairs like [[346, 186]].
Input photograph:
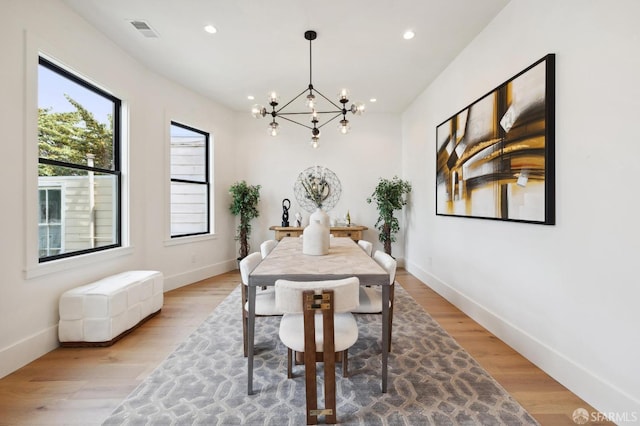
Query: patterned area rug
[[432, 380]]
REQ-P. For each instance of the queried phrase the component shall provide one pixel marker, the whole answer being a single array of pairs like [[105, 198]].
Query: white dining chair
[[366, 246], [317, 320], [265, 298], [371, 296], [267, 246]]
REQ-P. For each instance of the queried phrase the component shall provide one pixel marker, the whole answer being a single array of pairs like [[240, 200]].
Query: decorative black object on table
[[285, 212]]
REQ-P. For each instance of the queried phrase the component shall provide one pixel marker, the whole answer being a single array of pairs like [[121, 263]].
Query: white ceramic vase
[[320, 215], [315, 238]]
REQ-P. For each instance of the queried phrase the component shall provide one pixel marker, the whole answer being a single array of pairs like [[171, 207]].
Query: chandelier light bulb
[[273, 98], [315, 141], [358, 108], [344, 95], [311, 101], [344, 127], [258, 111], [273, 128]]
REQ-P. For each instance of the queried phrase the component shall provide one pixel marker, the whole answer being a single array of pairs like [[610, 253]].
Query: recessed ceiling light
[[372, 100], [408, 35], [210, 29], [251, 97]]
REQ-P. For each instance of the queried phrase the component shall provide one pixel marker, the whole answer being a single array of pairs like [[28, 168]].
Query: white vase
[[320, 215], [315, 238]]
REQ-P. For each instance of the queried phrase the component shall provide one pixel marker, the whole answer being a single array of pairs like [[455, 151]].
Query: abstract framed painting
[[495, 158]]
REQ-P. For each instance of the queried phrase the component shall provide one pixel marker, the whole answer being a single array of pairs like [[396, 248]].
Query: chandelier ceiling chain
[[313, 112]]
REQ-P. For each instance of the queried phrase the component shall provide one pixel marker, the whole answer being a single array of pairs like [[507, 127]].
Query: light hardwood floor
[[82, 386]]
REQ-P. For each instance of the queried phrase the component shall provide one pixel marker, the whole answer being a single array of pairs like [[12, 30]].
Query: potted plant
[[389, 195], [244, 203]]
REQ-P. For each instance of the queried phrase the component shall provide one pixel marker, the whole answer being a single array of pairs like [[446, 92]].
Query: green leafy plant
[[244, 203], [389, 195]]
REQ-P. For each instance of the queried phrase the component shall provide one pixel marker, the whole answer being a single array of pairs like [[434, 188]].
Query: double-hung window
[[190, 184], [79, 176]]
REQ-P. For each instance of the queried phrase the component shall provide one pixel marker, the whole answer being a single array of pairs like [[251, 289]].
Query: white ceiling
[[260, 45]]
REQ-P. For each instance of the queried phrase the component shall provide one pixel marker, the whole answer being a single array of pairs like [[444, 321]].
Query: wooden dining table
[[345, 259]]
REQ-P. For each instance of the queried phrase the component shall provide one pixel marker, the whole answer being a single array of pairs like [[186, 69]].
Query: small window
[[50, 222], [79, 166], [190, 185]]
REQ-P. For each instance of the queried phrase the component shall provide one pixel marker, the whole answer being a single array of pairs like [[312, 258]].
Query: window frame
[[206, 183], [117, 161]]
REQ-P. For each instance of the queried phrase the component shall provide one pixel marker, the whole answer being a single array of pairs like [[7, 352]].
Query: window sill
[[188, 240], [40, 269]]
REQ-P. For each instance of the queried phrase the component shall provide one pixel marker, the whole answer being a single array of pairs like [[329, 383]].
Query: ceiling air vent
[[144, 29]]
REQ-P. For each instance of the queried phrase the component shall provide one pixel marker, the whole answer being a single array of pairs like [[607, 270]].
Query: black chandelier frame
[[310, 91]]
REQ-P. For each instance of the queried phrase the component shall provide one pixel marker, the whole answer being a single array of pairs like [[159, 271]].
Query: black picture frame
[[495, 159]]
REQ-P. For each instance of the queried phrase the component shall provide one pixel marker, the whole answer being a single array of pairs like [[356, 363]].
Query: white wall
[[29, 292], [565, 296], [359, 159]]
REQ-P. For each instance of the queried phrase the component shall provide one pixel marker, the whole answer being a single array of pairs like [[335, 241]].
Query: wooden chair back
[[323, 303], [310, 299]]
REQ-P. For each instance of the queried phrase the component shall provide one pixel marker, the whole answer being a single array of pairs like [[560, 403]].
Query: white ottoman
[[100, 313]]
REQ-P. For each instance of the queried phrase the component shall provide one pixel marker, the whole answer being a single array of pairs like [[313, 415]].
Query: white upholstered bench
[[100, 313]]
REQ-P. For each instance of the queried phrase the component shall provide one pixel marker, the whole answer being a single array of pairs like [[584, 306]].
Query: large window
[[78, 165], [190, 186]]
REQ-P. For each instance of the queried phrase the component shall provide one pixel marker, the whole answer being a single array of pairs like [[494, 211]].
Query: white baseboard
[[597, 392], [26, 350], [189, 277]]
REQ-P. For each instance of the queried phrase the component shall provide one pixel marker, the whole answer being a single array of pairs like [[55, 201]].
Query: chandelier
[[335, 110]]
